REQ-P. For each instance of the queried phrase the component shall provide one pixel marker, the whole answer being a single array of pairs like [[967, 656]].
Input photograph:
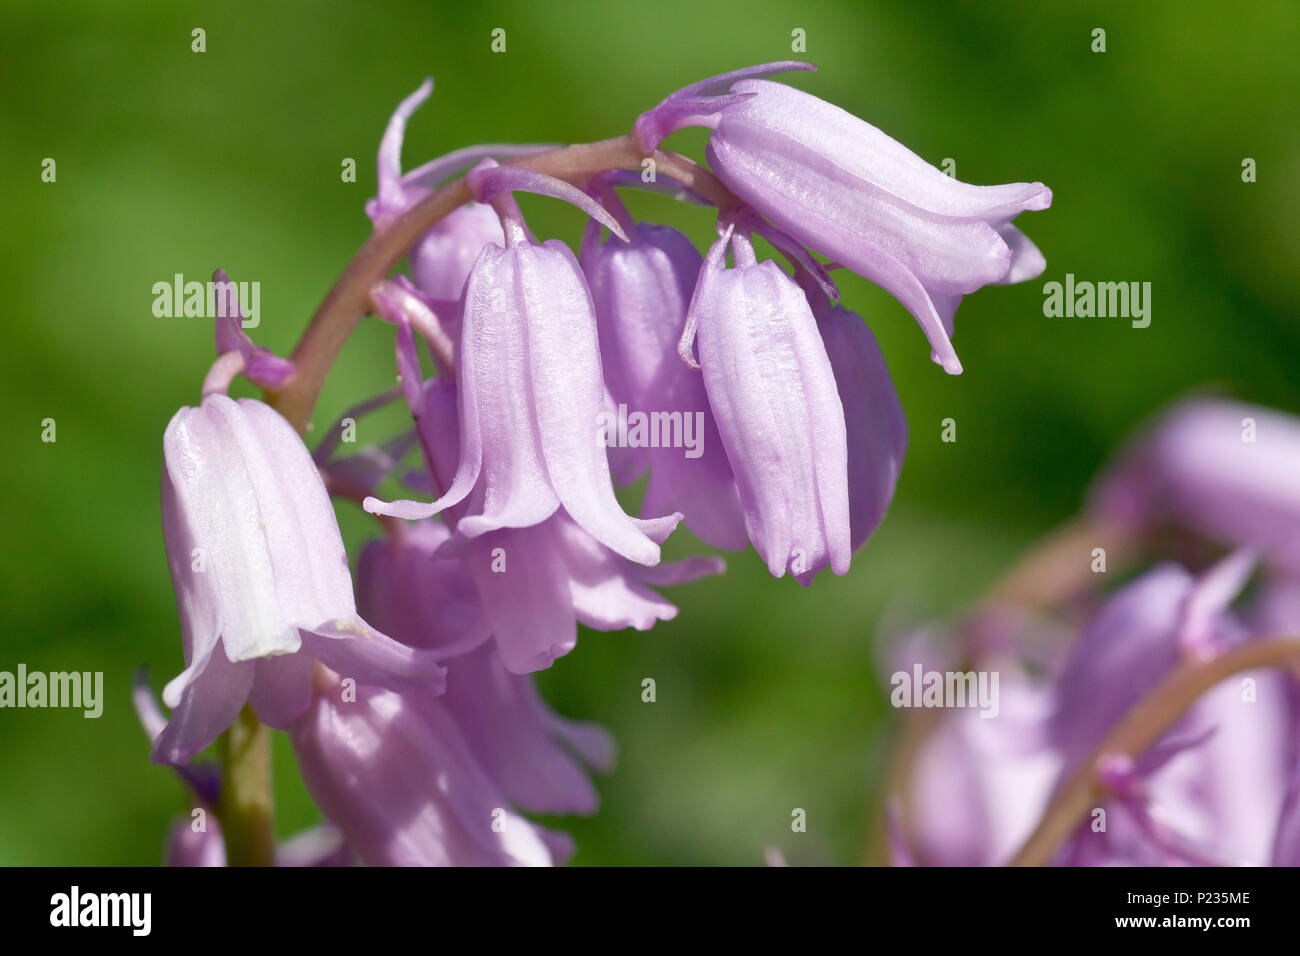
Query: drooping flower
[[396, 774], [531, 389], [260, 575], [537, 584], [1167, 805], [641, 289], [431, 602], [845, 189], [1226, 470], [1212, 791], [774, 396], [534, 585]]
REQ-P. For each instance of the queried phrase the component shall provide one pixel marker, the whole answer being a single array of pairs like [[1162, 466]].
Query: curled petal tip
[[658, 529], [943, 355], [406, 510], [1040, 200], [712, 565]]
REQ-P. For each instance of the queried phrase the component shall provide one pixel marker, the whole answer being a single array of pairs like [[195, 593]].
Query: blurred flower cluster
[[756, 408], [1201, 516]]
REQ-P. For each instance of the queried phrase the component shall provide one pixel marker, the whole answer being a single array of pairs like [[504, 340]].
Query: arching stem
[[346, 303], [1141, 727]]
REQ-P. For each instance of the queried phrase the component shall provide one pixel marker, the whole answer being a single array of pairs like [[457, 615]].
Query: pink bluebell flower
[[261, 577], [396, 774], [536, 584], [641, 289], [537, 757], [531, 388], [1217, 789], [774, 396], [845, 189]]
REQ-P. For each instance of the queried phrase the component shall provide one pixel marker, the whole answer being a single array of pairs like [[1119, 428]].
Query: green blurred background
[[769, 696]]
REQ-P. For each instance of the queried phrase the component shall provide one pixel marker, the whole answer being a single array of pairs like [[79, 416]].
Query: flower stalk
[[1051, 573], [1144, 724], [246, 804]]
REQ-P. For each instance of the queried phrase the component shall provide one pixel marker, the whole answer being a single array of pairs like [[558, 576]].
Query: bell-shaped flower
[[774, 396], [661, 418], [534, 585], [537, 584], [531, 389], [397, 775], [1210, 791], [1216, 789], [845, 189], [1142, 631], [442, 260], [261, 577], [1226, 470], [431, 602]]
